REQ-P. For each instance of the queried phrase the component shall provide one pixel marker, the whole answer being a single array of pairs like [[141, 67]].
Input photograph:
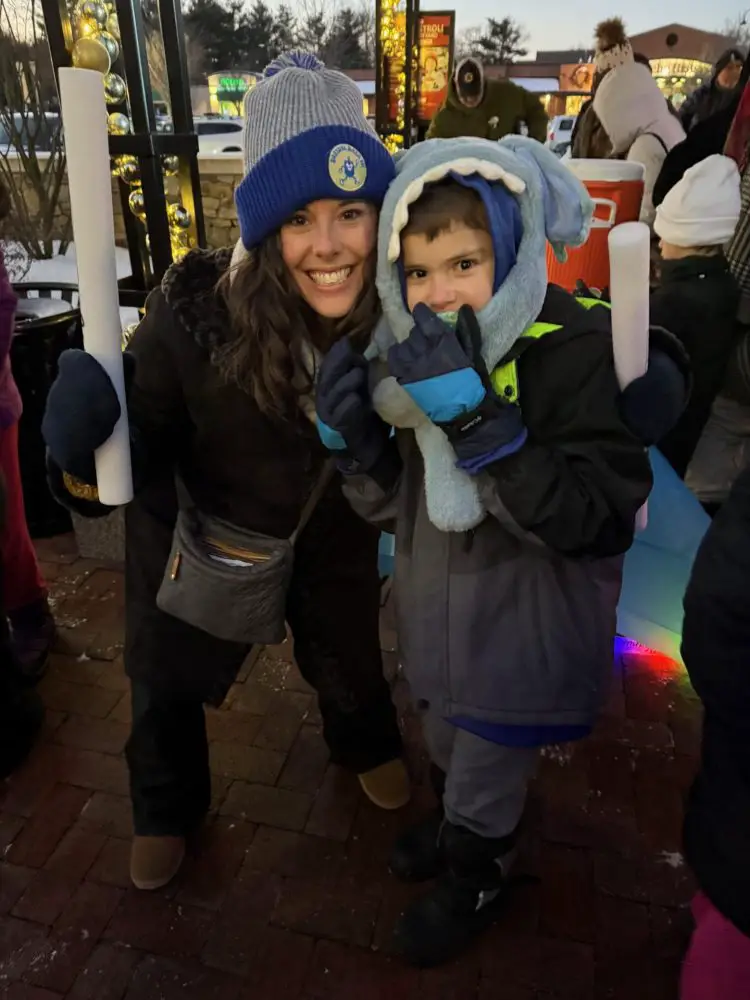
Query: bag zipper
[[175, 571], [236, 553]]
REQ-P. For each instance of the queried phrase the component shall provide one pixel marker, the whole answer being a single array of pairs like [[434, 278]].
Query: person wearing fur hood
[[486, 109], [632, 109]]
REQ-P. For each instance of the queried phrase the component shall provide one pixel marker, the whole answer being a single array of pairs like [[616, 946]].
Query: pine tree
[[314, 33], [344, 48], [214, 28], [502, 42], [258, 37], [284, 31]]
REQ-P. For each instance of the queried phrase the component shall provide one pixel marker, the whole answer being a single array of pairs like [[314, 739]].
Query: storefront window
[[227, 92], [678, 78]]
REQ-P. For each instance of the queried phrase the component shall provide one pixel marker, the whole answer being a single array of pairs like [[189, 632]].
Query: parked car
[[220, 135], [216, 134], [42, 129], [559, 132]]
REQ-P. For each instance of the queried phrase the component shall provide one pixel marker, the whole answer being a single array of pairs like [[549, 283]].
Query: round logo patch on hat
[[347, 167]]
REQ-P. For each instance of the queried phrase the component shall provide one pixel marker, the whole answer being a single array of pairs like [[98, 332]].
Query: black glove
[[81, 413], [347, 424], [652, 404]]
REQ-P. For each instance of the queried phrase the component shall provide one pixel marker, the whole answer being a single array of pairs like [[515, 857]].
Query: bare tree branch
[[32, 160]]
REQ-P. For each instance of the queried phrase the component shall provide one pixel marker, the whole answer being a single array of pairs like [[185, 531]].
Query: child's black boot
[[466, 900]]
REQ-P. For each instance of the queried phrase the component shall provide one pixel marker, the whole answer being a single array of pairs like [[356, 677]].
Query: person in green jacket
[[487, 109]]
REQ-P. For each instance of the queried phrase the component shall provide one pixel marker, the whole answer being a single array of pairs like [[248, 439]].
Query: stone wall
[[219, 175]]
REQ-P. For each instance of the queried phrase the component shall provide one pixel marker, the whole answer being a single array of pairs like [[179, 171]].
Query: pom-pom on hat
[[306, 138], [613, 46]]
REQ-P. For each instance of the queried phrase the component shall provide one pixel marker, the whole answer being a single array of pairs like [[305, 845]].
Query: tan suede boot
[[154, 861], [387, 786]]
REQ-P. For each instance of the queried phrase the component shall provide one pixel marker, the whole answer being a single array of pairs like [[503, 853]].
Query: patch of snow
[[672, 858], [65, 269], [560, 754]]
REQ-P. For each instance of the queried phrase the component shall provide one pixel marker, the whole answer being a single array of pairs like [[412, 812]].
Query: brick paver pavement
[[287, 897]]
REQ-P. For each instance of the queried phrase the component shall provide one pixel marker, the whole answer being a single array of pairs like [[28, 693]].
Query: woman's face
[[327, 247], [730, 75]]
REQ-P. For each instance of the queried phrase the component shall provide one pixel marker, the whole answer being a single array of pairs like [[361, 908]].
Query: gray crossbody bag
[[228, 581]]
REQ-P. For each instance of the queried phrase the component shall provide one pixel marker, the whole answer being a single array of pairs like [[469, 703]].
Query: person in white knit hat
[[632, 109], [698, 296]]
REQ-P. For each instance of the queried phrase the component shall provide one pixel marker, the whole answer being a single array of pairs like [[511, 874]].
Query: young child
[[698, 296], [513, 498], [716, 650]]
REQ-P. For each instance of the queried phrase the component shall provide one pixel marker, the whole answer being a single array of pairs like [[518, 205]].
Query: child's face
[[455, 269]]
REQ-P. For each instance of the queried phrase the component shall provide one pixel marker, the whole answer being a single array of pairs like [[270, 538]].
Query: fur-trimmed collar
[[189, 286]]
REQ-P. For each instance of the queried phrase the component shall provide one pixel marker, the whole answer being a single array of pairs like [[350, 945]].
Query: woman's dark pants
[[333, 612]]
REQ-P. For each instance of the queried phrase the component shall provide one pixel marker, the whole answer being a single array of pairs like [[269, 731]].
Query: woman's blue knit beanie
[[306, 138]]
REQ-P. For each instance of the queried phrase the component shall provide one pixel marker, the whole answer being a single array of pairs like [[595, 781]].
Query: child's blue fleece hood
[[554, 207]]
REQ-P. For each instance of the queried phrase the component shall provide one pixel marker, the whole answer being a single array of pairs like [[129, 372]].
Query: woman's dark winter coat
[[246, 468], [706, 139], [716, 650], [589, 141], [697, 302], [710, 98]]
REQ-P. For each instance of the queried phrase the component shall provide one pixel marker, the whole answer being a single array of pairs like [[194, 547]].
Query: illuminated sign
[[236, 83], [680, 67], [436, 34]]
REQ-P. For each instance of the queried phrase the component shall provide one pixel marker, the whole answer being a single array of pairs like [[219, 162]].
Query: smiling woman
[[223, 370], [315, 274]]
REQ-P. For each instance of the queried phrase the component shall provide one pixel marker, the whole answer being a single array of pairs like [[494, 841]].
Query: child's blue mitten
[[443, 371]]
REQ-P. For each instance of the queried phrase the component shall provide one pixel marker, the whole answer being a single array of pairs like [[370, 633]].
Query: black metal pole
[[135, 58], [59, 35], [410, 50], [178, 77], [381, 76]]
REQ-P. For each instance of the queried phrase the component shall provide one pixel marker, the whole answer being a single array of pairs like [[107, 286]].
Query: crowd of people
[[382, 351]]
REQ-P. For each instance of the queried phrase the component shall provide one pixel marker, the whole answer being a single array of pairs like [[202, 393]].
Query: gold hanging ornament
[[129, 169], [179, 217], [137, 203], [91, 10], [118, 123], [180, 244], [110, 44], [170, 164], [90, 53], [85, 27], [113, 25], [115, 90]]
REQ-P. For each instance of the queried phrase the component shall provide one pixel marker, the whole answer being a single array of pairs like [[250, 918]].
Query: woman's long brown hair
[[272, 326]]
